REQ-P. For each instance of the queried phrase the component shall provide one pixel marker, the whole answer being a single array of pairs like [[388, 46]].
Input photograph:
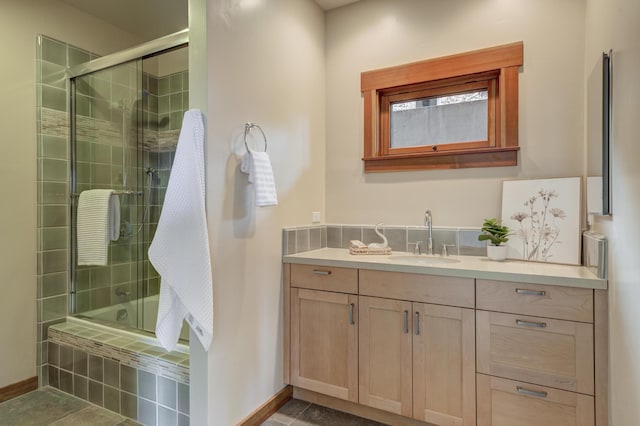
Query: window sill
[[480, 157]]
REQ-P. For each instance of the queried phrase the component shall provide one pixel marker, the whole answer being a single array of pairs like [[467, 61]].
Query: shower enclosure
[[126, 114]]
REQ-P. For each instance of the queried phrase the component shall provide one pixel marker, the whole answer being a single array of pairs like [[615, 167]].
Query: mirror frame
[[606, 131]]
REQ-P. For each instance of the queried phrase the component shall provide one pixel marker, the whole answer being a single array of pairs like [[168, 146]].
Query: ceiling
[[147, 18], [332, 4], [152, 18]]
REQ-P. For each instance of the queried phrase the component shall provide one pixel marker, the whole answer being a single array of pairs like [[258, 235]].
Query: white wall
[[243, 366], [265, 65], [376, 33], [615, 24], [20, 22]]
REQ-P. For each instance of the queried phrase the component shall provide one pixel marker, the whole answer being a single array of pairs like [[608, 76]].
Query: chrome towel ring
[[247, 129]]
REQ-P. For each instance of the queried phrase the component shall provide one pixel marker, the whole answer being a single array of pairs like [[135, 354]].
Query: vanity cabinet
[[417, 359], [537, 369], [324, 331], [405, 348], [385, 348]]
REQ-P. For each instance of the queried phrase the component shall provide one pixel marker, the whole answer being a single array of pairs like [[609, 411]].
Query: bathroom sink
[[423, 259]]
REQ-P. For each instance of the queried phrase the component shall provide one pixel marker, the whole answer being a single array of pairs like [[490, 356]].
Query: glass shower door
[[125, 126], [107, 111], [165, 98]]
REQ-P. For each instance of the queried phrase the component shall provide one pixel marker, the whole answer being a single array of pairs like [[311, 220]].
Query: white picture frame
[[543, 216]]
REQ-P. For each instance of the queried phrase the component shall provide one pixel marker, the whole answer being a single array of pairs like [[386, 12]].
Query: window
[[451, 112]]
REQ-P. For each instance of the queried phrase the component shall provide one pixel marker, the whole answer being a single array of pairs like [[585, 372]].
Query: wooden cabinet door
[[385, 354], [324, 342], [503, 402], [443, 365]]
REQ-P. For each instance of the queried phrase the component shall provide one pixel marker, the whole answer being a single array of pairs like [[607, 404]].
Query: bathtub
[[123, 317]]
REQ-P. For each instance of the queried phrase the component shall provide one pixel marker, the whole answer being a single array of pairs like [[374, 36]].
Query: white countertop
[[468, 267]]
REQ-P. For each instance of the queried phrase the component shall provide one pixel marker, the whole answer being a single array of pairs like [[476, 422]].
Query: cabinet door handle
[[417, 323], [321, 272], [351, 306], [524, 391], [406, 322], [531, 324], [531, 292]]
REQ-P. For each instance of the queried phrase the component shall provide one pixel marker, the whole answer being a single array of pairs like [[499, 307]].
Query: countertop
[[468, 267]]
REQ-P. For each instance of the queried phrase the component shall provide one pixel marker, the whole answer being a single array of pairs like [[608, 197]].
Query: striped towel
[[98, 222], [258, 166]]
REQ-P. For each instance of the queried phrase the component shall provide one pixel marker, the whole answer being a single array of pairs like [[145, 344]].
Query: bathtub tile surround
[[99, 163], [52, 148], [130, 377], [401, 238]]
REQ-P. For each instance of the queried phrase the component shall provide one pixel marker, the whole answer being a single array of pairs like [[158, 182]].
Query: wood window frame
[[485, 81], [496, 66]]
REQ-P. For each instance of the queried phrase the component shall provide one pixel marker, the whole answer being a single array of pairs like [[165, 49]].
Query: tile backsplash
[[400, 238]]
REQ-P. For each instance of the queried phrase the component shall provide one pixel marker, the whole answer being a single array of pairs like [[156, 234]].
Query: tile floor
[[300, 413], [50, 407]]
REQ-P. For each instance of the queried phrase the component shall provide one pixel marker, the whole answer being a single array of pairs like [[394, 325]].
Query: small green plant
[[494, 232]]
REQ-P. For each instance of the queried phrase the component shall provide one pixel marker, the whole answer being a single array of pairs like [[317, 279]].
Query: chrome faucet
[[428, 223]]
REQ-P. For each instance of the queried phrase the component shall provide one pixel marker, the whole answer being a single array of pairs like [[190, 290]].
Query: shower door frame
[[151, 48]]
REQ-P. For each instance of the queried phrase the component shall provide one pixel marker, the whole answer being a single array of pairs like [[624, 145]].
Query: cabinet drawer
[[537, 350], [504, 402], [342, 280], [418, 288], [575, 304]]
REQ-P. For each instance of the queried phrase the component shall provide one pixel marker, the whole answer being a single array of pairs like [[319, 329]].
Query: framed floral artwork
[[543, 216]]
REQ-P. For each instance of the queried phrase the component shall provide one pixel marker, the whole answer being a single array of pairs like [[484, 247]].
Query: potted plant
[[497, 234]]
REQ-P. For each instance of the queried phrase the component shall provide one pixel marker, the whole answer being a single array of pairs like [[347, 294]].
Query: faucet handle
[[122, 292], [416, 249], [445, 252]]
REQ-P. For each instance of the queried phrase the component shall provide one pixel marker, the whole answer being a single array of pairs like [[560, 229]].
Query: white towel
[[258, 166], [180, 247], [98, 222]]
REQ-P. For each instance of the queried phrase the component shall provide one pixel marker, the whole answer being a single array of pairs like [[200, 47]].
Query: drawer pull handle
[[406, 322], [417, 323], [531, 292], [351, 306], [539, 394], [321, 272], [531, 324]]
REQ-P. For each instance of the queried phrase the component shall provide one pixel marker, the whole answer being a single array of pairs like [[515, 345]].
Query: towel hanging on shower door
[[98, 223], [180, 247]]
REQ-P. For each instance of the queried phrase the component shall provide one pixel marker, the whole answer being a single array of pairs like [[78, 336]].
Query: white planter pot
[[496, 252]]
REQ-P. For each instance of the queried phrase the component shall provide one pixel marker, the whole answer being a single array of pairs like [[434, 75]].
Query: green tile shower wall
[[99, 165], [52, 58]]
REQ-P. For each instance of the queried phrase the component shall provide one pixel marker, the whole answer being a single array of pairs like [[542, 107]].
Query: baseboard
[[355, 409], [17, 389], [266, 410]]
